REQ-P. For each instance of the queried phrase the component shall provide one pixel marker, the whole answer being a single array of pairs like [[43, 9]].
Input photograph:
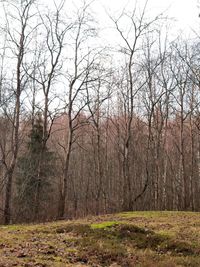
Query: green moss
[[159, 239], [103, 225]]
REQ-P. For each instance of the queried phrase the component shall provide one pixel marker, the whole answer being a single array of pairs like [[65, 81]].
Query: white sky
[[184, 12]]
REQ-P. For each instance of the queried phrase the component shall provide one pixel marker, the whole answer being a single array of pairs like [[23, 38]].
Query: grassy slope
[[128, 239]]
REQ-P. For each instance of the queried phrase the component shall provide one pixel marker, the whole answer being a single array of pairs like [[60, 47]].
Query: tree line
[[87, 128]]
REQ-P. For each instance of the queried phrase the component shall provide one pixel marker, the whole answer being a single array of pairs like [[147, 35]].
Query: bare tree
[[18, 40], [83, 61], [131, 37]]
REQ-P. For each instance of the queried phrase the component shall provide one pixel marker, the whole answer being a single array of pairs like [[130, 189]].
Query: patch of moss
[[160, 239], [104, 225]]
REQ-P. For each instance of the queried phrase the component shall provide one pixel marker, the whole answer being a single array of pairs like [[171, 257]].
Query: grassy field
[[165, 239]]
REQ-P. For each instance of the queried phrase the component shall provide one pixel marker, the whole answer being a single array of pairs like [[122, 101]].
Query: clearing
[[165, 239]]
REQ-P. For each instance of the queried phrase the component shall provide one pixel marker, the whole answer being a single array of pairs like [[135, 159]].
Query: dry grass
[[127, 239]]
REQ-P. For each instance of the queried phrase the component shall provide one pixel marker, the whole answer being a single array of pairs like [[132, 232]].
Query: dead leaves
[[77, 244]]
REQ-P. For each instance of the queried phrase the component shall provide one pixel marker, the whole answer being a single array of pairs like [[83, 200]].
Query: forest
[[88, 128]]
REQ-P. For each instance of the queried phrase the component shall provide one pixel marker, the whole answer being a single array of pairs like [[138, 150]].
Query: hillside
[[127, 239]]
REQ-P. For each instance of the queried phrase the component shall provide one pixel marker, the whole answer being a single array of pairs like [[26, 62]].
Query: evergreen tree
[[34, 174]]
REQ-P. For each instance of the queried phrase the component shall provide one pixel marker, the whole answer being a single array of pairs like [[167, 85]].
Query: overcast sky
[[184, 11]]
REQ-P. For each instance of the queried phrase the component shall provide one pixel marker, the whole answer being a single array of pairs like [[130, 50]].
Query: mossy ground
[[146, 239]]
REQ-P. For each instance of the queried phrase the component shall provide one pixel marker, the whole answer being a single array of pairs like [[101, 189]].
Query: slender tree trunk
[[63, 195], [10, 171]]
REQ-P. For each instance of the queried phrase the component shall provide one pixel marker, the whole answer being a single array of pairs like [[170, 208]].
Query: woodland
[[88, 128]]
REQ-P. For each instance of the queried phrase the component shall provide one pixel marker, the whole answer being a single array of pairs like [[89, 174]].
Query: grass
[[103, 225], [163, 239]]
